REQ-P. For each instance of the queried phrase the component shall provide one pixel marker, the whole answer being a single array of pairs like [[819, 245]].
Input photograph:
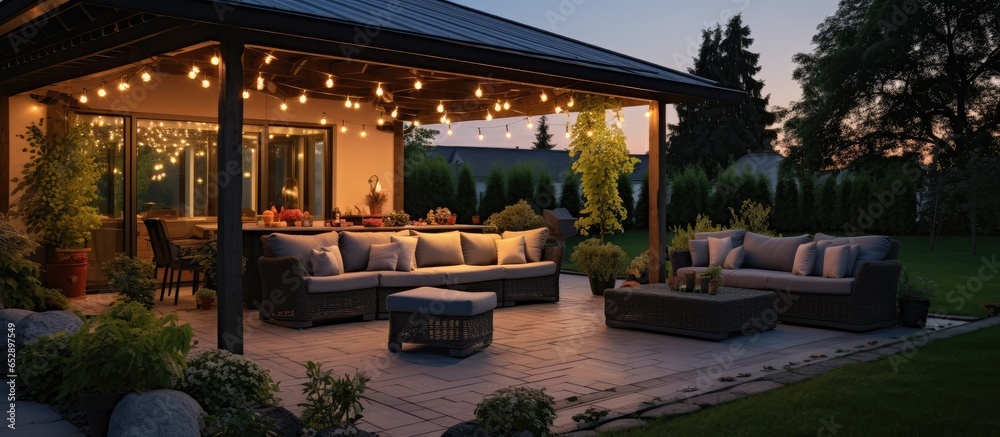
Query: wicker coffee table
[[712, 317]]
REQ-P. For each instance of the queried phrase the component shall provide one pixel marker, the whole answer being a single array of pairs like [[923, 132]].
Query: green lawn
[[947, 388], [952, 265]]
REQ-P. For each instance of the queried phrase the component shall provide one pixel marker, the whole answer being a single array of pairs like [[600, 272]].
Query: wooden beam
[[398, 170], [5, 152], [657, 192], [230, 177]]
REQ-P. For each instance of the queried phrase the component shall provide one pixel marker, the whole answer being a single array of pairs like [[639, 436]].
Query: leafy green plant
[[601, 155], [640, 264], [754, 217], [40, 374], [683, 234], [438, 216], [465, 194], [513, 410], [713, 272], [590, 416], [242, 423], [206, 256], [205, 294], [225, 384], [128, 349], [600, 260], [21, 288], [59, 185], [332, 401], [396, 218], [516, 217], [915, 287], [133, 278]]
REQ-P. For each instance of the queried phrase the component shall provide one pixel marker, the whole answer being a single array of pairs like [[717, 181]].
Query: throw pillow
[[534, 241], [337, 256], [479, 249], [836, 261], [699, 253], [805, 259], [326, 263], [510, 251], [384, 256], [718, 249], [853, 263], [439, 249], [407, 252], [735, 259], [355, 246]]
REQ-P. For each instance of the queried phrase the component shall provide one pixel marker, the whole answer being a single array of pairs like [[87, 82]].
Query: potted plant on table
[[601, 262], [57, 189], [291, 216], [375, 199], [396, 218], [205, 298], [914, 294], [712, 277]]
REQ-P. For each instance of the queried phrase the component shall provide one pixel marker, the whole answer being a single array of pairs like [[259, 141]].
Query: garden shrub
[[545, 192], [40, 374], [807, 203], [495, 197], [465, 195], [844, 211], [628, 199], [826, 205], [332, 401], [133, 278], [20, 286], [786, 201], [430, 185], [521, 184], [682, 234], [570, 197], [642, 205], [753, 217], [513, 410], [516, 217], [225, 384], [688, 195]]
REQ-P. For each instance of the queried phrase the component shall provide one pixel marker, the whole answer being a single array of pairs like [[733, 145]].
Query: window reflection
[[296, 173]]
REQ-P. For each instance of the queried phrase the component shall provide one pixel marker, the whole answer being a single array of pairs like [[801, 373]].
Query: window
[[297, 169]]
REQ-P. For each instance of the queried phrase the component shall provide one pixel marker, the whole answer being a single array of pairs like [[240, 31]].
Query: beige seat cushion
[[407, 252], [534, 242], [463, 274], [440, 301], [343, 282], [439, 249], [415, 278], [355, 247], [805, 259], [479, 249], [810, 284], [326, 262], [530, 270]]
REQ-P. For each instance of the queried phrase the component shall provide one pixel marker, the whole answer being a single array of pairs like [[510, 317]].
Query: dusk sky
[[667, 33]]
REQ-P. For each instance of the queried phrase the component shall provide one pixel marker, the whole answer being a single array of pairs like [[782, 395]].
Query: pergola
[[408, 58]]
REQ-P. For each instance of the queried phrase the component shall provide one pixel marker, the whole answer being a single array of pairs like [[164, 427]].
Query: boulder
[[343, 432], [288, 425], [157, 413], [37, 325], [13, 315], [465, 429]]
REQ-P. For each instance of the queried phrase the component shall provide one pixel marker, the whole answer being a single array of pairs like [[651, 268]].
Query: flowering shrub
[[372, 222], [290, 215], [225, 384], [513, 410], [438, 216], [396, 218]]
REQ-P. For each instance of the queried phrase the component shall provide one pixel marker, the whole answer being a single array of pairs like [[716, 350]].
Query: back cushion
[[355, 247], [479, 249], [768, 253], [439, 249], [534, 242], [737, 235], [300, 246], [699, 253], [872, 247]]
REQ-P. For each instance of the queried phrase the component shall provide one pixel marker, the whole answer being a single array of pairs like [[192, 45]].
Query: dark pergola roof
[[75, 38]]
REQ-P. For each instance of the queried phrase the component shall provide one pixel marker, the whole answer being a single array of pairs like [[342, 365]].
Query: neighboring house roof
[[484, 159], [766, 163]]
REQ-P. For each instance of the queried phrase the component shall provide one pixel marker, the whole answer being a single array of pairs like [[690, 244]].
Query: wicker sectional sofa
[[862, 300], [296, 296]]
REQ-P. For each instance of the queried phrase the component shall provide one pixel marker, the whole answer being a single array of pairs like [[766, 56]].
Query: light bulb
[[570, 103], [123, 86], [146, 77], [449, 129], [508, 132], [648, 113], [347, 103], [488, 115], [416, 123], [558, 109], [194, 72], [479, 92], [215, 59], [101, 92], [323, 120], [357, 104], [480, 134], [497, 107], [302, 98], [378, 91], [590, 133], [343, 126], [530, 125], [567, 131], [83, 98], [381, 120], [329, 81], [544, 97], [418, 85], [440, 107], [246, 94], [204, 82], [268, 59], [363, 133], [284, 106], [444, 119], [260, 82], [394, 113], [506, 106]]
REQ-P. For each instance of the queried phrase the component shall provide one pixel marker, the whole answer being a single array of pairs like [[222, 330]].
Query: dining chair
[[172, 255]]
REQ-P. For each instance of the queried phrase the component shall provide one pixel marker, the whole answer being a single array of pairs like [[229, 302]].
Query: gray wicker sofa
[[863, 300], [296, 296]]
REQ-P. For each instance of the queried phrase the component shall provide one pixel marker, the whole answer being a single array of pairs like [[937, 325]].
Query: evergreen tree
[[570, 197], [627, 194], [688, 195], [521, 185], [762, 190], [495, 197], [844, 211], [807, 202], [726, 194], [417, 143], [545, 193], [642, 205], [711, 133], [826, 205], [543, 139], [430, 185], [465, 195], [786, 201]]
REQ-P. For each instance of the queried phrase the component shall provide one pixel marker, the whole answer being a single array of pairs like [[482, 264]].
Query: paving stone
[[719, 397], [755, 387], [786, 377], [585, 433], [671, 410], [621, 424]]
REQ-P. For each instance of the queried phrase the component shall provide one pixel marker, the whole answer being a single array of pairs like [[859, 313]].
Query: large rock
[[37, 325], [13, 315], [472, 429], [157, 413], [343, 432], [288, 425]]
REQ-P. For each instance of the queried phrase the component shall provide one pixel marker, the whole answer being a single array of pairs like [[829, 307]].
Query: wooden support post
[[398, 170], [229, 180], [657, 193], [5, 152]]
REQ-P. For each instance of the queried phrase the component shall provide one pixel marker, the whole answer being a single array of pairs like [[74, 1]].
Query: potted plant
[[711, 279], [375, 199], [58, 187], [291, 216], [129, 349], [914, 294], [133, 278], [516, 217], [205, 298], [639, 267], [206, 257], [440, 216], [21, 287], [601, 262], [396, 218]]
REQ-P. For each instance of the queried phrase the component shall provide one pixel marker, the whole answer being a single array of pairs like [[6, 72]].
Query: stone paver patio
[[563, 347]]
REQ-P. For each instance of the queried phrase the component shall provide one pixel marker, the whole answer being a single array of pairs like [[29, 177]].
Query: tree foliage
[[545, 192], [465, 195], [628, 199], [689, 195], [521, 184], [429, 185], [543, 139], [642, 205], [417, 143], [495, 197], [601, 156], [569, 198]]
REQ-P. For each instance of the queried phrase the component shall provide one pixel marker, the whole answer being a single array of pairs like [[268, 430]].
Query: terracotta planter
[[205, 304], [99, 407], [68, 272], [375, 209], [597, 286], [452, 219]]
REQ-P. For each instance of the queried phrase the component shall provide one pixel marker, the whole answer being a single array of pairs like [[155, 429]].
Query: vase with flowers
[[291, 216], [375, 199]]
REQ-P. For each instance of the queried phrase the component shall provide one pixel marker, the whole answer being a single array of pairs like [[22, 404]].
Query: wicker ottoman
[[657, 308], [458, 320]]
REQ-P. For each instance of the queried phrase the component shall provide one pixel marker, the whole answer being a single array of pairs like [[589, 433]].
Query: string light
[[508, 131], [246, 94], [488, 115], [497, 107], [649, 111], [480, 134], [479, 91], [260, 82], [418, 84], [215, 58], [83, 98], [363, 133], [268, 59], [449, 129], [323, 120], [444, 119], [122, 85], [567, 131], [146, 77], [590, 133], [204, 82], [570, 103], [329, 81], [506, 105], [193, 74], [416, 123], [357, 104], [381, 120], [302, 98], [284, 106], [394, 113], [378, 90], [440, 107], [347, 103], [100, 91], [544, 97], [558, 109], [530, 125], [343, 127]]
